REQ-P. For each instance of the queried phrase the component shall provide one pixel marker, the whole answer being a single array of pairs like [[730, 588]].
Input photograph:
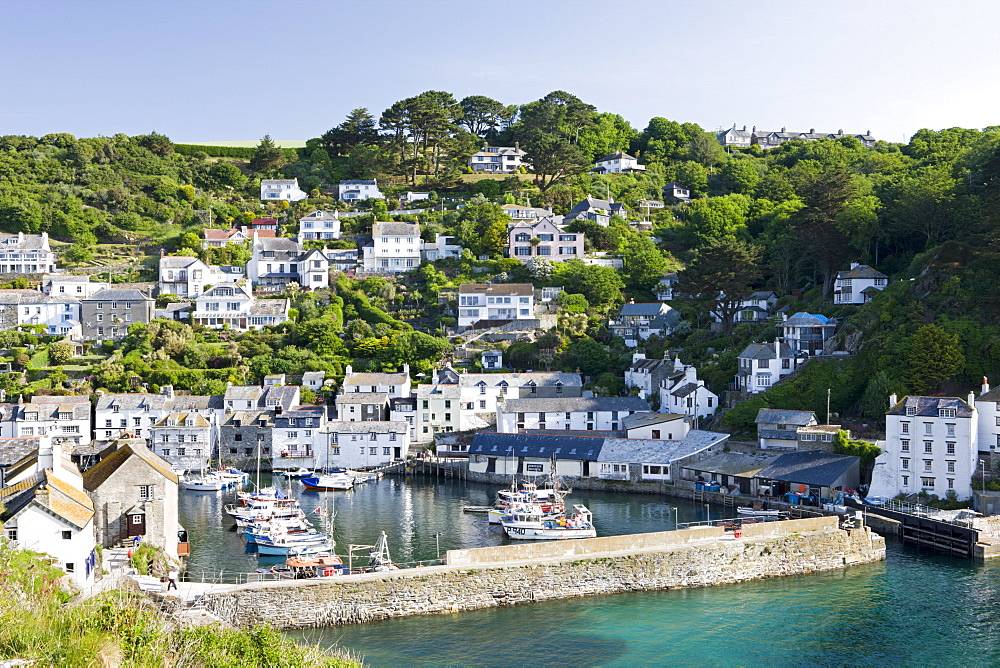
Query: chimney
[[986, 385], [632, 300], [638, 356], [812, 131], [972, 399], [783, 128], [49, 456], [854, 265], [840, 131], [406, 369], [167, 391], [517, 145], [745, 127], [777, 348], [893, 400], [348, 370]]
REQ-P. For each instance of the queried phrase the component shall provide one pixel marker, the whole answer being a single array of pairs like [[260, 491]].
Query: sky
[[233, 70]]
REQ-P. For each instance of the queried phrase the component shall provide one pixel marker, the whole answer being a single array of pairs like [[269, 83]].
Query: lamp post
[[437, 543], [676, 526], [982, 462]]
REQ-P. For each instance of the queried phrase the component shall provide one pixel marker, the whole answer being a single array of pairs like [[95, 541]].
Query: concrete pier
[[526, 573]]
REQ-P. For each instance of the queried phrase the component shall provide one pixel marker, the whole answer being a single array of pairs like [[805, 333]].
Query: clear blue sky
[[212, 70]]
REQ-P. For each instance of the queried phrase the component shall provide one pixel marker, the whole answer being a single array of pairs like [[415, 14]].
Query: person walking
[[172, 579]]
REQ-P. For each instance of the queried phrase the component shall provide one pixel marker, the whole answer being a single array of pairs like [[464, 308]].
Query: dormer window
[[911, 410], [947, 412]]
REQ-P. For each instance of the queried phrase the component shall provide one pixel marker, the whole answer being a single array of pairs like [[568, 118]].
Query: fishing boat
[[319, 565], [300, 472], [232, 477], [206, 484], [756, 512], [549, 510], [335, 480], [283, 545], [530, 524]]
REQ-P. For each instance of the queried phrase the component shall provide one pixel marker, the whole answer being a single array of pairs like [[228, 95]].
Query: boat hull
[[515, 532], [321, 483]]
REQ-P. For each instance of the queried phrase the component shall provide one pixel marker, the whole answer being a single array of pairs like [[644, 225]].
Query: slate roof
[[363, 398], [119, 295], [320, 215], [541, 446], [248, 418], [282, 182], [177, 261], [648, 451], [538, 378], [616, 156], [809, 467], [195, 402], [27, 242], [104, 469], [523, 289], [649, 364], [669, 319], [131, 401], [778, 416], [685, 389], [637, 420], [358, 182], [929, 406], [861, 271], [756, 351], [405, 404], [733, 463], [371, 379], [570, 404], [17, 296], [766, 294], [279, 244], [313, 375], [394, 229], [442, 391], [589, 203], [269, 307], [13, 450], [377, 426], [183, 421], [647, 309], [48, 491]]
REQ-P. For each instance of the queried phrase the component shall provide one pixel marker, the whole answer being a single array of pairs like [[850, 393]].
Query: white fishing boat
[[335, 480], [232, 477], [530, 524], [300, 472], [206, 484], [756, 512], [552, 509], [284, 544]]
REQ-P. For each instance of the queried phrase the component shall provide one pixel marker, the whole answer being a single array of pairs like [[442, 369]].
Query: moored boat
[[335, 480], [206, 484], [530, 524], [758, 512], [300, 472]]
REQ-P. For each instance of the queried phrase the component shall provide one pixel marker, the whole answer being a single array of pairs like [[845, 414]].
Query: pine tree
[[266, 156], [934, 358]]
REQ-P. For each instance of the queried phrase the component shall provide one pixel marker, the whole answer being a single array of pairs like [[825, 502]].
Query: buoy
[[802, 488], [130, 554]]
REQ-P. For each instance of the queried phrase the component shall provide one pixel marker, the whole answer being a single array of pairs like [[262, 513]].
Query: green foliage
[[60, 352], [934, 358], [843, 444]]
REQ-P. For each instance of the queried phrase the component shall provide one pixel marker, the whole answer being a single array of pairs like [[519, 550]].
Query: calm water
[[915, 609]]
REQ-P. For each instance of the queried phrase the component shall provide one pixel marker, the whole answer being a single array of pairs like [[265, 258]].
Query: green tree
[[357, 129], [705, 149], [740, 176], [721, 275], [267, 156], [826, 194], [934, 358], [716, 218], [482, 228], [843, 444], [483, 115], [549, 131], [601, 286], [643, 263], [60, 352]]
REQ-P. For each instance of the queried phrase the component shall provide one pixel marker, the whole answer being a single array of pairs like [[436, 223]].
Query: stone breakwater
[[543, 572]]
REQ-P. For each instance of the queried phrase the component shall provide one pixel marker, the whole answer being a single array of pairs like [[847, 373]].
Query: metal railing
[[266, 575]]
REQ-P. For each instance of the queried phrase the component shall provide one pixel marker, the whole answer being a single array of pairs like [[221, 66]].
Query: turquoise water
[[915, 609]]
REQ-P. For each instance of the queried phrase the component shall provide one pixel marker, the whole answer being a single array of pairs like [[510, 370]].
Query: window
[[763, 364], [145, 492], [951, 483], [181, 452], [928, 465], [906, 480], [482, 404], [373, 436], [336, 450], [950, 448], [372, 451], [904, 445], [904, 427], [70, 567], [166, 452], [951, 467], [951, 430], [928, 428], [905, 464], [911, 410], [928, 447], [927, 483], [238, 437], [656, 434], [67, 535], [12, 534], [386, 451], [946, 412]]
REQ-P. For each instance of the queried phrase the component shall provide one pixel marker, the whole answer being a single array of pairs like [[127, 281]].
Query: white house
[[278, 262], [808, 332], [491, 360], [617, 162], [682, 392], [188, 276], [931, 445], [66, 418], [235, 307], [637, 322], [410, 196], [596, 210], [761, 365], [59, 314], [355, 190], [49, 512], [656, 426], [313, 380], [527, 213], [281, 189], [676, 193], [297, 437], [392, 384], [664, 290], [858, 284], [69, 285], [26, 254], [117, 415], [361, 445], [543, 238], [735, 138], [495, 301], [755, 308], [395, 247], [319, 226], [988, 408], [498, 159], [567, 413], [442, 248]]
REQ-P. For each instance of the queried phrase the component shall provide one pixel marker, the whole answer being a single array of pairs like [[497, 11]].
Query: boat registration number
[[518, 530]]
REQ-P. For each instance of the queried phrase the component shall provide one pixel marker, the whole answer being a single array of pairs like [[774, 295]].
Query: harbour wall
[[532, 572]]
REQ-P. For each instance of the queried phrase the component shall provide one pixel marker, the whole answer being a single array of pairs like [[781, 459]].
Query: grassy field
[[283, 143]]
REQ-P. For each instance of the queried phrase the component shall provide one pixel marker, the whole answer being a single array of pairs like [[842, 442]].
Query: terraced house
[[107, 314]]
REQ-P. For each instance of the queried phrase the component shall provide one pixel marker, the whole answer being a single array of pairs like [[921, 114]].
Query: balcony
[[296, 454]]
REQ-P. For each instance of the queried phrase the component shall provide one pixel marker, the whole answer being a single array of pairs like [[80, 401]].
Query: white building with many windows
[[543, 238], [319, 226], [616, 163], [278, 262], [858, 284], [569, 413], [185, 440], [931, 445], [988, 408], [355, 190], [188, 276], [761, 365], [495, 301], [26, 254], [395, 247], [498, 159], [233, 306], [59, 314], [362, 445], [281, 189]]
